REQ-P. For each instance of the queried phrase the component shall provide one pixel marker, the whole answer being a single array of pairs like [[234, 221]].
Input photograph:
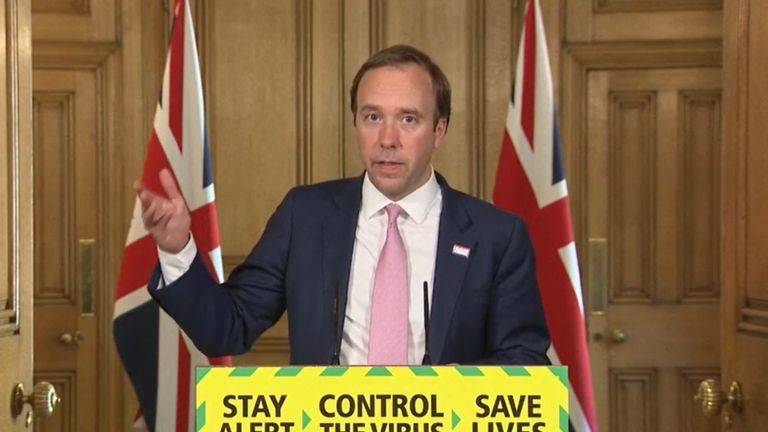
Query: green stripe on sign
[[563, 420], [423, 371], [200, 417], [455, 419], [288, 371], [469, 371], [200, 372], [561, 372], [378, 371], [242, 371], [305, 419], [334, 371], [516, 371]]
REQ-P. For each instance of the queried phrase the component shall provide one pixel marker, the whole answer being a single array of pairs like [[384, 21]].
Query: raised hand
[[167, 219]]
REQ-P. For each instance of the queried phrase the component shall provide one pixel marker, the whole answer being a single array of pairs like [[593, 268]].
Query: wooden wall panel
[[757, 182], [75, 20], [744, 332], [633, 392], [501, 28], [632, 146], [54, 138], [653, 5], [447, 32], [604, 20], [699, 175], [61, 6], [753, 277], [253, 114], [361, 28], [328, 104], [261, 117]]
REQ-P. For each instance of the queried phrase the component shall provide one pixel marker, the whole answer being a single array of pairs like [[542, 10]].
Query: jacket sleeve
[[226, 319]]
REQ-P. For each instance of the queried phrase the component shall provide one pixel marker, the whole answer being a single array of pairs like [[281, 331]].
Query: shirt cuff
[[173, 266]]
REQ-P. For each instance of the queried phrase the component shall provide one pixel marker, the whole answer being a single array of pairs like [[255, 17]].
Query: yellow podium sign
[[382, 399]]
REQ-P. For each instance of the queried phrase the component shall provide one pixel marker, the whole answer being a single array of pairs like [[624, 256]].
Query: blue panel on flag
[[557, 160], [207, 172], [136, 339]]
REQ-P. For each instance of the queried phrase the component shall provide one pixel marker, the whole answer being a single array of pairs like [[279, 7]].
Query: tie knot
[[393, 211]]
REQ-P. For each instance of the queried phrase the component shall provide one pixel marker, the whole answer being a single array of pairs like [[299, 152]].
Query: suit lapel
[[450, 266], [339, 228]]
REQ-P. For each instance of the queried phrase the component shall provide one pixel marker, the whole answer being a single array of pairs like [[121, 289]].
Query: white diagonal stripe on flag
[[530, 182]]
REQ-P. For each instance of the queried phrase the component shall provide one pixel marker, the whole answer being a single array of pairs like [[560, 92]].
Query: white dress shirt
[[418, 226]]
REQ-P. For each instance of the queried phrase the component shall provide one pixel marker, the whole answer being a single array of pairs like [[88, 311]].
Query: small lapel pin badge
[[461, 250]]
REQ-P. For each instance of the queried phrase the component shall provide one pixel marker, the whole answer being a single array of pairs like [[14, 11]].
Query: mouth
[[387, 163], [387, 166]]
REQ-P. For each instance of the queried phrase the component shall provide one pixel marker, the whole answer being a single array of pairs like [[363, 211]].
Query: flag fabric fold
[[157, 356], [531, 183]]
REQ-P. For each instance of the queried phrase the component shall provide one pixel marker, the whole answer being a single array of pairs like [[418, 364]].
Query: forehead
[[409, 83]]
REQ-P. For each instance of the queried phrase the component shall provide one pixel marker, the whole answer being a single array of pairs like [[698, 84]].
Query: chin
[[387, 188]]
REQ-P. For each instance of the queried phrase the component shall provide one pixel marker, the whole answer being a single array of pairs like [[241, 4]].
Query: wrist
[[176, 248]]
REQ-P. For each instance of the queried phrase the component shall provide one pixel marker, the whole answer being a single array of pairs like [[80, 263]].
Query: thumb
[[169, 185]]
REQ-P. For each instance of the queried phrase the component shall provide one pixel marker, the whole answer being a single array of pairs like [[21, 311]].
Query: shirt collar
[[416, 204]]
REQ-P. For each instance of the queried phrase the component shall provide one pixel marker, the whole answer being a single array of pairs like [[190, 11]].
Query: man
[[349, 259]]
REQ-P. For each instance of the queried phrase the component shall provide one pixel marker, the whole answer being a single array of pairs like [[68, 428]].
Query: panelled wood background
[[744, 332], [638, 93], [16, 230]]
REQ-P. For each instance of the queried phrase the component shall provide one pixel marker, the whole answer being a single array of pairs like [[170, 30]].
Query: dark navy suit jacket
[[485, 307]]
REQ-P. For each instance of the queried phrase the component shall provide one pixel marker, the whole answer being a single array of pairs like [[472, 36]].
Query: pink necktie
[[388, 343]]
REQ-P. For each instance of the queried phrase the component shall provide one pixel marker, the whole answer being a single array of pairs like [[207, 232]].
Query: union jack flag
[[530, 182], [158, 357]]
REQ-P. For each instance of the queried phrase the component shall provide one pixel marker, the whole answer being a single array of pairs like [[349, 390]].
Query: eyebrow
[[412, 111]]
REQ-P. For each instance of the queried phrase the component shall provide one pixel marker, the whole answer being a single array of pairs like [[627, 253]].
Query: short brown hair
[[404, 54]]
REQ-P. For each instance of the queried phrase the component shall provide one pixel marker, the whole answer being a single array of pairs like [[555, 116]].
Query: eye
[[372, 116], [410, 119]]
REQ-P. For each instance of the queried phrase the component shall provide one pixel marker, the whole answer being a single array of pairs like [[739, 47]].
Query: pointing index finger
[[169, 185]]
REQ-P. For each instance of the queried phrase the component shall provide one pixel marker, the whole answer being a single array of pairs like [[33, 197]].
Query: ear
[[440, 129]]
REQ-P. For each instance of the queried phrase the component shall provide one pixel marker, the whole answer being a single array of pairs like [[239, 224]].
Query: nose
[[389, 134]]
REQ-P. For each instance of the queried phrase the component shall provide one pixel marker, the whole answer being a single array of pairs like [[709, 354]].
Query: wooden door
[[652, 222], [78, 221], [67, 202], [641, 111], [16, 250], [745, 212]]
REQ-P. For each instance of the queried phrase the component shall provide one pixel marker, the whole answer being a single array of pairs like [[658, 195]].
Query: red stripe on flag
[[154, 162], [529, 74], [550, 229], [205, 229], [139, 260], [220, 361], [182, 387], [176, 90]]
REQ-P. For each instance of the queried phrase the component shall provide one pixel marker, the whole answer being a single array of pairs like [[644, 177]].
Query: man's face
[[395, 127]]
